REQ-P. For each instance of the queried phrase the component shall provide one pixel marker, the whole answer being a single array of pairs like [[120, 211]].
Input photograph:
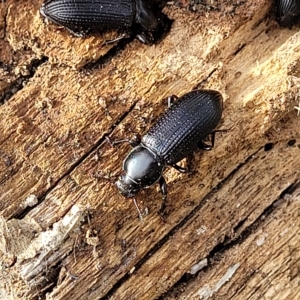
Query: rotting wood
[[268, 267], [52, 146], [15, 66]]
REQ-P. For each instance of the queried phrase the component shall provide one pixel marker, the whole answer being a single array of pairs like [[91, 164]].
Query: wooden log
[[67, 233]]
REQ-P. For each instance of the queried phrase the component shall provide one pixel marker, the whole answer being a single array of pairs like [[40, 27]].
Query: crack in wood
[[5, 22], [106, 58], [52, 277], [21, 81], [239, 49], [201, 85]]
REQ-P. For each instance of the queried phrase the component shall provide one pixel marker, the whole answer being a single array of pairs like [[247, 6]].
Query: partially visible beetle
[[142, 18], [175, 135], [287, 12]]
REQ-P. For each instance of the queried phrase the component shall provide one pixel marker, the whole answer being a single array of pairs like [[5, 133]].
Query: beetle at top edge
[[142, 18]]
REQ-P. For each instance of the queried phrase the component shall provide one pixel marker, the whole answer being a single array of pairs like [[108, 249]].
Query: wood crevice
[[20, 82], [5, 24], [108, 56]]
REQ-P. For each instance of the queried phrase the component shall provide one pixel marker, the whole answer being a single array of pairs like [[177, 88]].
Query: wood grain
[[66, 232]]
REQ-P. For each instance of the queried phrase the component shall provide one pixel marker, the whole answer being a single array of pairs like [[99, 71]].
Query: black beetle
[[142, 18], [287, 12], [175, 135]]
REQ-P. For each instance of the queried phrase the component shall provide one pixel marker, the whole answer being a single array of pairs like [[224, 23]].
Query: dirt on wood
[[232, 224]]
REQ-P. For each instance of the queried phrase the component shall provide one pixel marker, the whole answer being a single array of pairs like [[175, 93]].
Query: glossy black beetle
[[142, 18], [287, 12], [176, 134]]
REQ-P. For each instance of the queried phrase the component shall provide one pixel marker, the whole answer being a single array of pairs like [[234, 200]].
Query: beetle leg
[[223, 130], [123, 36], [79, 32], [163, 189], [180, 169], [138, 209], [171, 100], [133, 142], [145, 38], [107, 176], [202, 145]]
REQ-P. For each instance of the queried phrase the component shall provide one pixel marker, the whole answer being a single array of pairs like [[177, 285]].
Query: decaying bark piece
[[65, 231]]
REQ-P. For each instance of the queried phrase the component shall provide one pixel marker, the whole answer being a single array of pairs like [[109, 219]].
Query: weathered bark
[[66, 233]]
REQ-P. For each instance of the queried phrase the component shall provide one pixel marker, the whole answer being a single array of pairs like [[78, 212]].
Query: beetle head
[[152, 22], [127, 187]]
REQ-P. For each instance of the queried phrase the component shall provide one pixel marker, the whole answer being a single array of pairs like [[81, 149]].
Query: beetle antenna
[[138, 209], [107, 176]]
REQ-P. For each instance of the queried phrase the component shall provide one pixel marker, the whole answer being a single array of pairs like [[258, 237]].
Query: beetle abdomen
[[189, 120], [287, 12], [90, 14]]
